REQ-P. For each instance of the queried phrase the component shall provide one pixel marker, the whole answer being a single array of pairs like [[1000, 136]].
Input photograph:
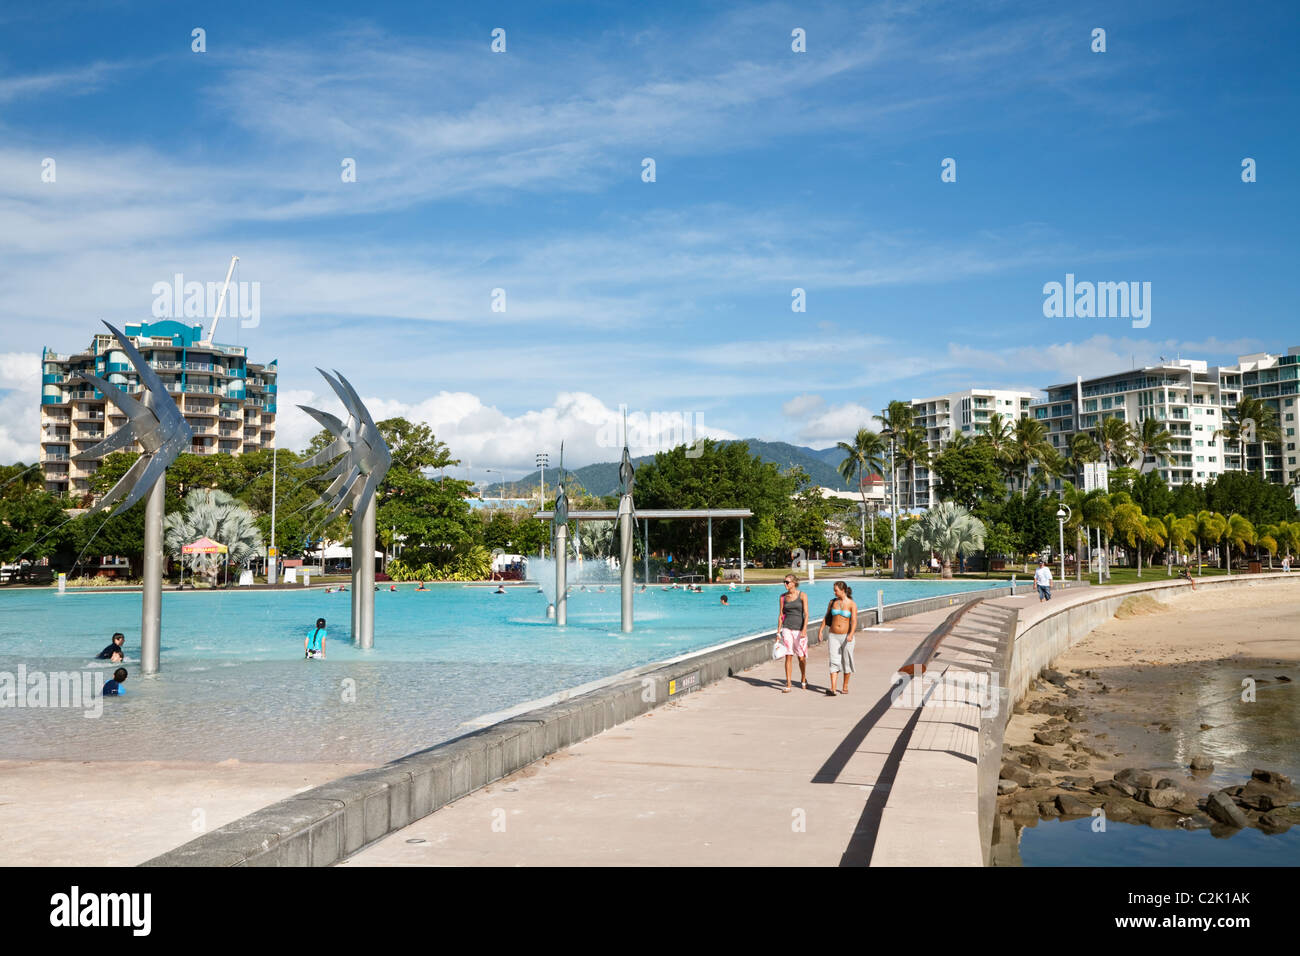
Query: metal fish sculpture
[[363, 455], [155, 421]]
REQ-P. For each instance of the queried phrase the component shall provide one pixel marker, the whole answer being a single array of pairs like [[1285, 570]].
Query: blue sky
[[775, 170]]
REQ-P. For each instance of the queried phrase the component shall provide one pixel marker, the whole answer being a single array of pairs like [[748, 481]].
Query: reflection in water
[[1242, 736]]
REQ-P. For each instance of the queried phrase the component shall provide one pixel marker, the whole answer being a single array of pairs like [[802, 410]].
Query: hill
[[601, 478]]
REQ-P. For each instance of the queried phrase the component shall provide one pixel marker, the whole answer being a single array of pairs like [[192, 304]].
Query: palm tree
[[1029, 446], [1098, 513], [215, 514], [1083, 450], [1240, 532], [1181, 532], [866, 456], [948, 529], [1152, 440], [1157, 536], [1251, 415], [999, 435], [1268, 541], [1209, 530], [958, 440], [1114, 437], [897, 417], [1072, 497], [915, 451], [1131, 528]]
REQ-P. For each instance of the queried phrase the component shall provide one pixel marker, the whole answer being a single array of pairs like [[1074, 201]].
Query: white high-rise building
[[1188, 396], [944, 417]]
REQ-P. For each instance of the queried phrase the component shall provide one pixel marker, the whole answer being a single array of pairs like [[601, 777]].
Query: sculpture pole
[[155, 421], [365, 596], [356, 578], [561, 589], [151, 603], [626, 478], [560, 522], [361, 459], [625, 567]]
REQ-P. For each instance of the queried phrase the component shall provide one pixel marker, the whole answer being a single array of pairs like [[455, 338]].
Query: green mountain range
[[601, 478]]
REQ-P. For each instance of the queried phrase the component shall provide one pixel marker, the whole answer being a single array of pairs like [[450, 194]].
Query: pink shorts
[[796, 642]]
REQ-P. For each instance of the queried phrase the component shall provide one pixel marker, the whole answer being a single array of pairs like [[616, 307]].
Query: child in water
[[314, 643], [113, 688]]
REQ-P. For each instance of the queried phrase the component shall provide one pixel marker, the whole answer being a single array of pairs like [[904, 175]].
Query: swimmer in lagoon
[[314, 643], [113, 688], [116, 647]]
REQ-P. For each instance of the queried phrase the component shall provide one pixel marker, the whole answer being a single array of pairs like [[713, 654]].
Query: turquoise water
[[234, 683]]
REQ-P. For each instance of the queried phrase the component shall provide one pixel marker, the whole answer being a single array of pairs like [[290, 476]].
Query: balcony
[[55, 456]]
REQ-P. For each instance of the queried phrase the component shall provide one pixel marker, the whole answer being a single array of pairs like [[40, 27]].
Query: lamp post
[[1063, 514], [893, 501], [862, 540]]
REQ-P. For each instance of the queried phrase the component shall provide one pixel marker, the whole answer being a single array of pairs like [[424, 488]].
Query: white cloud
[[823, 424], [20, 416]]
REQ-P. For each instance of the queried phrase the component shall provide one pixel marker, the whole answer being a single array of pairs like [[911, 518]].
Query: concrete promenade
[[739, 773]]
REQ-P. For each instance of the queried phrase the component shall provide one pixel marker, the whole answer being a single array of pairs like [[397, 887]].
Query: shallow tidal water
[[1244, 736]]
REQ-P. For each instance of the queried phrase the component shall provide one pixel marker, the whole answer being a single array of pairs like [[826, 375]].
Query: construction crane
[[221, 302]]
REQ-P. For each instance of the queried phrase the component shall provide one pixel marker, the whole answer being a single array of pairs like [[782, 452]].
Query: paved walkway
[[738, 774]]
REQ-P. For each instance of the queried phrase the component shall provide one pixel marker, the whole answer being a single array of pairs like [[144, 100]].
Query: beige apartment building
[[229, 402]]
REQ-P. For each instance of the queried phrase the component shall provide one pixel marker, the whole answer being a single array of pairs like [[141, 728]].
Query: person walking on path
[[1043, 581], [842, 618], [792, 629]]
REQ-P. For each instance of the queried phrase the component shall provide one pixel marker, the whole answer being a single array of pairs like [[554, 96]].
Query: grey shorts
[[841, 649]]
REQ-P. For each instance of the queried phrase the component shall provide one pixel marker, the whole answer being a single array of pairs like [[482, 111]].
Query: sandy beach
[[121, 813]]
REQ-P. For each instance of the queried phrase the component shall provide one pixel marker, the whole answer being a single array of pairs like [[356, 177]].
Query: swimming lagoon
[[234, 684]]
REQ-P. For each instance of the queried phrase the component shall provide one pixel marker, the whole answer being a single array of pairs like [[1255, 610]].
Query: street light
[[1063, 514], [542, 461], [893, 500]]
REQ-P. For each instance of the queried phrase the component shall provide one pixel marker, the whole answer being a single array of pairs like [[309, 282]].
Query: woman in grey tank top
[[792, 630]]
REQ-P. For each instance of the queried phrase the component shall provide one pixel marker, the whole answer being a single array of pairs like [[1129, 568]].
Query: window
[[1200, 458], [1199, 443]]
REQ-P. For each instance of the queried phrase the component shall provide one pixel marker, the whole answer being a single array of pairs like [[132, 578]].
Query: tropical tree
[[1181, 532], [947, 529], [1210, 527], [1114, 437], [1131, 528], [896, 418], [1267, 541], [915, 452], [1251, 421], [865, 456], [1098, 514], [1240, 532], [999, 435], [215, 514], [1153, 440], [1029, 446]]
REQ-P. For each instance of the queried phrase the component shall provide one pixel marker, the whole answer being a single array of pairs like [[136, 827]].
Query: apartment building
[[1190, 398], [944, 417], [1275, 379], [229, 402]]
